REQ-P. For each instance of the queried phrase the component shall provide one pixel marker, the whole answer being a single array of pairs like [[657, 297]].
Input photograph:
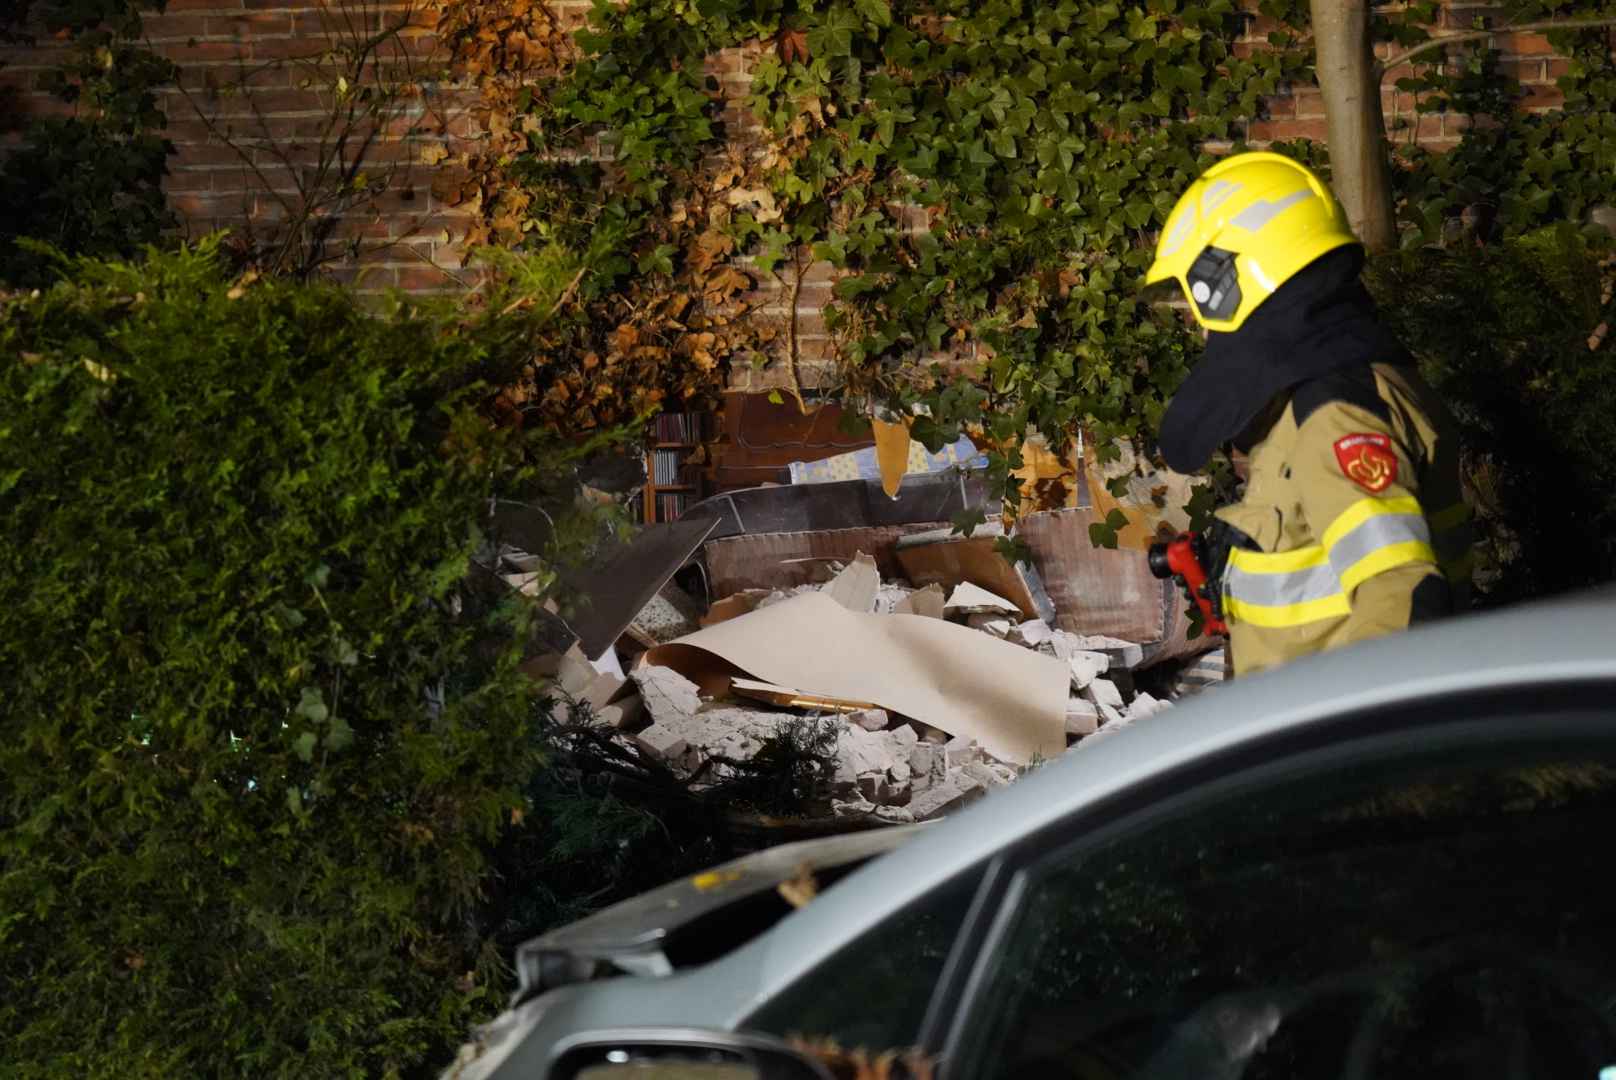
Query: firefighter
[[1352, 524]]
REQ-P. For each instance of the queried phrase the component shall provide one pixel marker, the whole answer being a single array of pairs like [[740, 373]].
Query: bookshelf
[[674, 486]]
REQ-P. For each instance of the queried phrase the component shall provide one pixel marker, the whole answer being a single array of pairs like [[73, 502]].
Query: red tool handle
[[1185, 563]]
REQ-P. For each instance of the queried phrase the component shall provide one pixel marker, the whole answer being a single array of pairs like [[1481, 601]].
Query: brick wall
[[242, 156]]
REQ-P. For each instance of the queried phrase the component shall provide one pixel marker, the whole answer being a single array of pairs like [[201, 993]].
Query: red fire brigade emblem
[[1367, 459]]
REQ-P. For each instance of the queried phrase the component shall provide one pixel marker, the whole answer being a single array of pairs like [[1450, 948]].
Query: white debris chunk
[[661, 742], [961, 750], [1082, 717], [860, 753], [1086, 667], [901, 741], [1144, 705], [668, 695], [1122, 653], [869, 719], [893, 815], [990, 624], [984, 775], [889, 598], [1031, 634], [1103, 692], [945, 796]]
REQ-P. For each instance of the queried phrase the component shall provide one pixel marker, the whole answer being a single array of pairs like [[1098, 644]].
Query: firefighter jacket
[[1352, 523]]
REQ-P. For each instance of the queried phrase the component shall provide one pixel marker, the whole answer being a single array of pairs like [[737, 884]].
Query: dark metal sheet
[[849, 504], [604, 601]]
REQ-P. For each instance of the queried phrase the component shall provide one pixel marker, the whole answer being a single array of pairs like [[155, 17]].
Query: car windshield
[[1440, 911]]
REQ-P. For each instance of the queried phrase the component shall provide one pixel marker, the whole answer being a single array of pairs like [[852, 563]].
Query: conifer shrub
[[248, 794]]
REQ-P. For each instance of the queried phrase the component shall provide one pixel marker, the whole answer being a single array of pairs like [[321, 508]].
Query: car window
[[873, 994], [1438, 911]]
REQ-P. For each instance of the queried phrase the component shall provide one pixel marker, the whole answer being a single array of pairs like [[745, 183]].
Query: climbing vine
[[984, 179]]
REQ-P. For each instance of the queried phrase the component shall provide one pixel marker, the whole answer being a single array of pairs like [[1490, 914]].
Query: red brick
[[1523, 45], [165, 28]]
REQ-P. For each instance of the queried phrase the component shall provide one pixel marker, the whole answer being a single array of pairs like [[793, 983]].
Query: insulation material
[[1010, 700]]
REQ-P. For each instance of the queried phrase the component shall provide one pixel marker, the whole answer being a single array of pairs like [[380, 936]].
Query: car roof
[[1554, 642]]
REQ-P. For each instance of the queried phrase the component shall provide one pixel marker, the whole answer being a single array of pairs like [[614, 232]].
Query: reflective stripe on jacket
[[1345, 517]]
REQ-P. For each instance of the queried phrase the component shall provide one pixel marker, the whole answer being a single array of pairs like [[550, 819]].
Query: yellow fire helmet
[[1242, 230]]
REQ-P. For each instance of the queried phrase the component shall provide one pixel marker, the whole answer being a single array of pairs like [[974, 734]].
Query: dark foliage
[[247, 811], [1514, 336]]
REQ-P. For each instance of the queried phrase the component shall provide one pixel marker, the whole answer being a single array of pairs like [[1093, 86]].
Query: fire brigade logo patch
[[1367, 459]]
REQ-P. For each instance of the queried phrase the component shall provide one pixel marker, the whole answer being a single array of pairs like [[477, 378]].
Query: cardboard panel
[[1095, 591]]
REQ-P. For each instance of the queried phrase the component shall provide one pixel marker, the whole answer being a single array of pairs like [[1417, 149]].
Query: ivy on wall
[[987, 180], [1514, 171], [88, 182]]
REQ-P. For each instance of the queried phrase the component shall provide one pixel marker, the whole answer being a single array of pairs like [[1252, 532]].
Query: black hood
[[1321, 320]]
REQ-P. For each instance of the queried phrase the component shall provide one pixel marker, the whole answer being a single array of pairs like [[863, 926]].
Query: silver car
[[1398, 859]]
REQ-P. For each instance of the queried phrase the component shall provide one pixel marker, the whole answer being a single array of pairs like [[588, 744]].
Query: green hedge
[[243, 830]]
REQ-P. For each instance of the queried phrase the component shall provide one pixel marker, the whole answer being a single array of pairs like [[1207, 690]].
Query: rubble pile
[[888, 768]]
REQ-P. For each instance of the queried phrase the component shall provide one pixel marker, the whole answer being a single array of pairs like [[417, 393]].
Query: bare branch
[[1481, 35]]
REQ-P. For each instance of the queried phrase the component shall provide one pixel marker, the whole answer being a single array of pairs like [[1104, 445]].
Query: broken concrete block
[[926, 758], [996, 625], [1109, 714], [878, 789], [869, 719], [851, 809], [901, 741], [900, 771], [1144, 705], [630, 710], [984, 775], [1123, 654], [601, 690], [668, 695], [860, 753], [1030, 634], [1082, 717], [1103, 692], [893, 815], [960, 750], [944, 796], [1086, 667], [661, 742]]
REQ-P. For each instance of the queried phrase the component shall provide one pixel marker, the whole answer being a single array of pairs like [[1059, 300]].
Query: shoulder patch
[[1367, 459], [1351, 386]]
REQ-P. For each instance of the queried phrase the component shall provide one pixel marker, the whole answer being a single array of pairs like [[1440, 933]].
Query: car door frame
[[958, 1000]]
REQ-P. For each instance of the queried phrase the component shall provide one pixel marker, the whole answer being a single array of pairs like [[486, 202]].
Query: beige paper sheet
[[1011, 700]]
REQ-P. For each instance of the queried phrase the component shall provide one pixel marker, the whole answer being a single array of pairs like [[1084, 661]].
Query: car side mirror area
[[680, 1054]]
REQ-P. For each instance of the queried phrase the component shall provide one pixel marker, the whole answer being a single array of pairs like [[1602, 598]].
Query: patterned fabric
[[861, 464]]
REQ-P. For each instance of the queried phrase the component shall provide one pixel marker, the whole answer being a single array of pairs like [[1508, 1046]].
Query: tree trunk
[[1350, 81]]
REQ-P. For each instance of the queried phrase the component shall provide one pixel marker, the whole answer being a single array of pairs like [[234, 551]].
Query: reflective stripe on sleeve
[[1375, 535], [1287, 588]]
